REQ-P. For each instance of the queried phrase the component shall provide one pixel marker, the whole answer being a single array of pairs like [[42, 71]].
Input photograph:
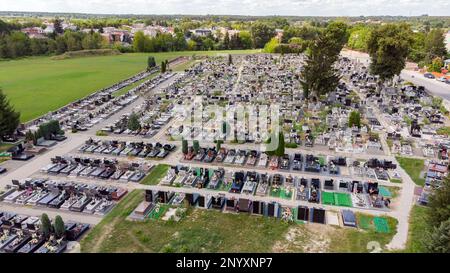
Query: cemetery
[[335, 159]]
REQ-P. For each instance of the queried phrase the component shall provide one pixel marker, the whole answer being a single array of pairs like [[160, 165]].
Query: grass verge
[[413, 168], [200, 231], [417, 228], [156, 174]]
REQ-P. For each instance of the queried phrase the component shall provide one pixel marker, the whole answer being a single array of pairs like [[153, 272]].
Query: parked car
[[429, 75], [442, 79]]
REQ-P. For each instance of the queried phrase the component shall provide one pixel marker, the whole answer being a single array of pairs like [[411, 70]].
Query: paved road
[[433, 86]]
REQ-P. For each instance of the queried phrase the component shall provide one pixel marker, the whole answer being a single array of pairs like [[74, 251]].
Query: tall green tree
[[163, 67], [359, 35], [46, 225], [243, 40], [435, 45], [17, 44], [226, 41], [151, 62], [133, 122], [281, 145], [196, 146], [439, 204], [59, 227], [319, 76], [57, 26], [9, 118], [261, 33], [388, 47], [92, 41], [354, 119], [438, 239], [436, 65], [230, 59], [139, 42], [184, 146]]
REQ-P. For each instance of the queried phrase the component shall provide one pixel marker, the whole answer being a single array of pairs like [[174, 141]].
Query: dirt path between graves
[[241, 68], [107, 229]]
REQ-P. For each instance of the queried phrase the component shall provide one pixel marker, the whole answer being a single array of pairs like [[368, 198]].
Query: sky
[[236, 7]]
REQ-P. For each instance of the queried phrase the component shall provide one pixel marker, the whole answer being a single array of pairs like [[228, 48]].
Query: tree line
[[15, 44], [426, 44], [9, 118]]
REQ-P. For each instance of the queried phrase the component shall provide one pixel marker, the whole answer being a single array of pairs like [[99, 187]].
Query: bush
[[196, 146], [101, 133], [354, 119], [184, 146], [291, 145], [45, 225], [59, 227], [87, 53], [133, 122], [48, 129]]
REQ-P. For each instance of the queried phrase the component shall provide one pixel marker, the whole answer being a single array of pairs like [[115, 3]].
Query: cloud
[[237, 7]]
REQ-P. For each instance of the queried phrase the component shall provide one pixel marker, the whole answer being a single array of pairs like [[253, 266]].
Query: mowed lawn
[[38, 85], [413, 167]]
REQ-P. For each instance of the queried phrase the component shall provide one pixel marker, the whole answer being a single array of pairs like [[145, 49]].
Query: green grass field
[[156, 174], [37, 85], [417, 229], [413, 167], [200, 231]]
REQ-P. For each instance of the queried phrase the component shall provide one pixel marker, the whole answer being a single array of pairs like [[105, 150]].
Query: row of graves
[[96, 168], [268, 78], [22, 234], [71, 196], [261, 160], [347, 193], [328, 124], [153, 113], [196, 122], [411, 114], [88, 111], [212, 78], [375, 170], [245, 204], [126, 148], [435, 174]]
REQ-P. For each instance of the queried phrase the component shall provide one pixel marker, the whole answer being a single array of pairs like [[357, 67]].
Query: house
[[112, 35], [201, 32], [34, 32]]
